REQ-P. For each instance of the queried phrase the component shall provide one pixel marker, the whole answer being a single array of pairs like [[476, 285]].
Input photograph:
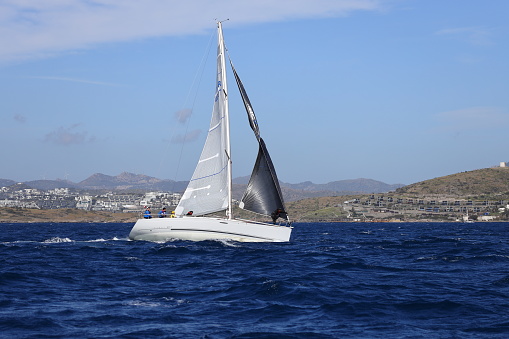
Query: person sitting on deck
[[147, 214], [190, 213], [162, 213]]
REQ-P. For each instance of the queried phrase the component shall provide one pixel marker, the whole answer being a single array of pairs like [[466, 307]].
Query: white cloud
[[20, 118], [183, 115], [474, 35], [32, 29], [67, 136], [189, 137]]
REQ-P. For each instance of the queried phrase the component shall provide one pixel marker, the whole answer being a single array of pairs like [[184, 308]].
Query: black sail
[[247, 104], [263, 193]]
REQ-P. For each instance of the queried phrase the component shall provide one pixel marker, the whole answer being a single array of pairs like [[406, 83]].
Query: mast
[[226, 115]]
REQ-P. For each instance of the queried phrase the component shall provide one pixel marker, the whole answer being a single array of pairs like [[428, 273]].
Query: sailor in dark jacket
[[279, 213]]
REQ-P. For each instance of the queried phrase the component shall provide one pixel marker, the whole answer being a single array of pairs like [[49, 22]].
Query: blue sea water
[[333, 280]]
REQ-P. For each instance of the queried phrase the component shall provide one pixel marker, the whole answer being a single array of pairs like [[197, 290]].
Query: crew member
[[276, 214], [162, 213], [147, 214]]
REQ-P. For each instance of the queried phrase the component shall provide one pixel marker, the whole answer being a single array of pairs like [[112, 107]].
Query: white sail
[[208, 189]]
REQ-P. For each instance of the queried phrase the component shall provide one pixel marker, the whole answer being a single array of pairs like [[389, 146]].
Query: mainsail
[[263, 193], [208, 189]]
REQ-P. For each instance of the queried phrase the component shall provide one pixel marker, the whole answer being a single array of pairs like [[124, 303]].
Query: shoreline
[[70, 215], [66, 215]]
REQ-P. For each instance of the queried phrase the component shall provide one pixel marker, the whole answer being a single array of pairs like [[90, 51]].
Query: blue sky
[[398, 91]]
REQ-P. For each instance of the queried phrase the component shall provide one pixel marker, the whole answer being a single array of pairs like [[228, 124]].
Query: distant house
[[504, 164]]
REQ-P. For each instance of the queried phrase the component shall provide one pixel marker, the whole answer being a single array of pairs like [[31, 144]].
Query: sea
[[333, 280]]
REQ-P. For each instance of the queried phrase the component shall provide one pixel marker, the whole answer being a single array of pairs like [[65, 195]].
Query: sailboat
[[466, 218], [210, 189]]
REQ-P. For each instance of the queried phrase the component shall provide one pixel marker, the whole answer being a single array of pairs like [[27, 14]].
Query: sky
[[398, 91]]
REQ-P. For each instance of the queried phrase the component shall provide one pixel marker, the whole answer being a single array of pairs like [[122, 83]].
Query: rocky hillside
[[488, 182], [6, 182], [308, 189]]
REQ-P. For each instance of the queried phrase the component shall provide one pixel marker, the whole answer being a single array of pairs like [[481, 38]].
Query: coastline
[[70, 215]]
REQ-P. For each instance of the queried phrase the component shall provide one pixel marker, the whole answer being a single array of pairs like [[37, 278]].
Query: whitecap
[[228, 242], [104, 240], [176, 301], [57, 240], [143, 303], [17, 242], [97, 240], [427, 258]]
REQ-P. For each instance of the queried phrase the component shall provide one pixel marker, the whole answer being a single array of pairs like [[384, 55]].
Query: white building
[[84, 202], [163, 198]]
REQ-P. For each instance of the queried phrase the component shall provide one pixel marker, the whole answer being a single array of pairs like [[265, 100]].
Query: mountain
[[360, 185], [487, 183], [307, 189], [341, 187], [6, 182], [492, 182], [128, 182], [241, 180], [121, 181], [51, 184], [18, 186]]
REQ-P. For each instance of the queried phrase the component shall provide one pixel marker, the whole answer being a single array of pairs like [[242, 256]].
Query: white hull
[[203, 228]]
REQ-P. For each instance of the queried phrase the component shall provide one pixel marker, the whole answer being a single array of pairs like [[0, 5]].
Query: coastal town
[[369, 207], [382, 207], [477, 195], [21, 196]]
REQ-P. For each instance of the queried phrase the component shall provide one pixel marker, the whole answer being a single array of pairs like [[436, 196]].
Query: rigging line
[[199, 76]]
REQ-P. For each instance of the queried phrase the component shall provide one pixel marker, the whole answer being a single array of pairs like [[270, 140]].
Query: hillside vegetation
[[486, 183]]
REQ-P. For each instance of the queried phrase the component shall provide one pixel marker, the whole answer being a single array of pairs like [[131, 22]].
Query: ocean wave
[[132, 258], [96, 240], [405, 281], [142, 303], [57, 240], [228, 242]]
